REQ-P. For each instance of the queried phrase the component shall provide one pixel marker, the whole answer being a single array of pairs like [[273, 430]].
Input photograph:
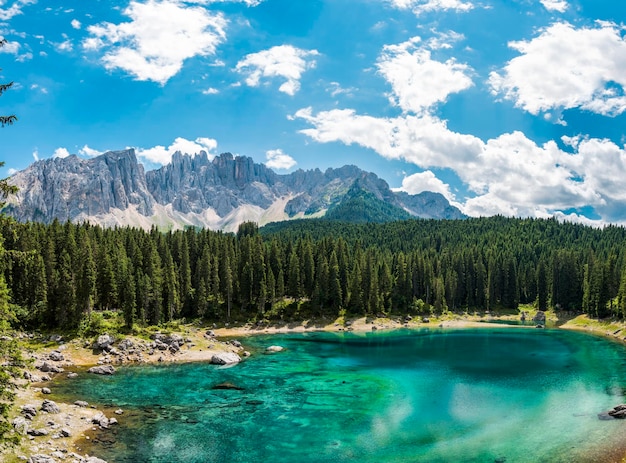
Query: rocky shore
[[53, 431]]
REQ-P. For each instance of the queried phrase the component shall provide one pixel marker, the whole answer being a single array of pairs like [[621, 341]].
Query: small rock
[[102, 370], [275, 349], [246, 353], [45, 390], [225, 358], [29, 411], [41, 459], [228, 386], [112, 421], [72, 375], [65, 432], [21, 425], [37, 432], [50, 407], [56, 356], [210, 333], [119, 411], [425, 320], [104, 341], [94, 460], [49, 368], [81, 403], [101, 420], [236, 343]]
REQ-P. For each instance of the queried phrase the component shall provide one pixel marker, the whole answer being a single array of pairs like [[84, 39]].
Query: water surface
[[472, 395]]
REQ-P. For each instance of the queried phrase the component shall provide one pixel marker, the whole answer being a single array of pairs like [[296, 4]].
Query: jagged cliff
[[219, 193]]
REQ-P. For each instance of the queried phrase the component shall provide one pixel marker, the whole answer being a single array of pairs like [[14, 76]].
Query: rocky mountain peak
[[114, 189]]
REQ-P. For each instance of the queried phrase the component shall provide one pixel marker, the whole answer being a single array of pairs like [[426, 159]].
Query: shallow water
[[467, 395]]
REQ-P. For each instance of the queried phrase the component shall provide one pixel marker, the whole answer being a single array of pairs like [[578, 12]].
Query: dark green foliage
[[360, 206], [319, 267]]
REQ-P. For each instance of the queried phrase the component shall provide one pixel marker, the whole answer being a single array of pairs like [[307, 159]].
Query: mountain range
[[113, 189]]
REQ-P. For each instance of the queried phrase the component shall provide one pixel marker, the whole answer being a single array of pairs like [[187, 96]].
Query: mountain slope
[[219, 193]]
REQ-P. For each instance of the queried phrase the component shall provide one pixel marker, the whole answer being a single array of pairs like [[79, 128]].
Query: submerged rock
[[274, 349], [225, 358], [227, 385]]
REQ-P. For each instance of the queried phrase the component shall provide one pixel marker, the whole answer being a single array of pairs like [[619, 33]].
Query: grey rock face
[[74, 188], [185, 190]]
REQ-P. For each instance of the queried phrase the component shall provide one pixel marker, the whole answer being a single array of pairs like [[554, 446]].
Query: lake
[[431, 395]]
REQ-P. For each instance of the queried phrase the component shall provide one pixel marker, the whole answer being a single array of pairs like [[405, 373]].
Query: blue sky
[[513, 107]]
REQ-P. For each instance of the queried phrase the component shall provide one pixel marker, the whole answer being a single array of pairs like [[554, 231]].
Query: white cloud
[[565, 67], [10, 47], [66, 45], [425, 181], [15, 9], [276, 159], [419, 82], [60, 153], [36, 155], [12, 171], [284, 61], [76, 24], [162, 155], [39, 88], [249, 3], [427, 6], [159, 38], [555, 5], [89, 152], [210, 91], [509, 175]]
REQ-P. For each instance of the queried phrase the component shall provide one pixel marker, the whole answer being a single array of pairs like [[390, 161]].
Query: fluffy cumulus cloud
[[89, 152], [418, 81], [555, 5], [14, 8], [159, 37], [163, 155], [276, 159], [284, 62], [60, 153], [509, 174], [567, 67], [426, 181], [426, 6]]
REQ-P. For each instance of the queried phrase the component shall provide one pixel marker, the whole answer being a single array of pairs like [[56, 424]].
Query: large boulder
[[104, 341], [225, 358], [102, 370]]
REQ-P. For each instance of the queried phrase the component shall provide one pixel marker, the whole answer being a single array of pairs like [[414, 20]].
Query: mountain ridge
[[113, 189]]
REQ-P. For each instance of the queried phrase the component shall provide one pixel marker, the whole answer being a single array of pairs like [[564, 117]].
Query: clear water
[[484, 395]]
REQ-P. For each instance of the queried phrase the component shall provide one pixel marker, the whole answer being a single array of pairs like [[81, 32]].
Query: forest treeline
[[58, 274]]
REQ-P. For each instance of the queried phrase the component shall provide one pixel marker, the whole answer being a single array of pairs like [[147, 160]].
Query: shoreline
[[199, 345]]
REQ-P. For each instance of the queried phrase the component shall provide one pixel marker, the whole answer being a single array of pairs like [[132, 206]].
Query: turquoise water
[[523, 395]]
